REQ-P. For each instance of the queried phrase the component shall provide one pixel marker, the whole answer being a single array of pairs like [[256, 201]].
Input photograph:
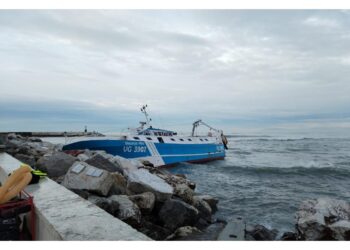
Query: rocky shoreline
[[162, 205], [55, 134]]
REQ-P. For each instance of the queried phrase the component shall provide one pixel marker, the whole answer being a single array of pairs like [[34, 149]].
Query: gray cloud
[[233, 66]]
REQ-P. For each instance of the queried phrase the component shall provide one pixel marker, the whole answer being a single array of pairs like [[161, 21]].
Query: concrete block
[[63, 215], [233, 231]]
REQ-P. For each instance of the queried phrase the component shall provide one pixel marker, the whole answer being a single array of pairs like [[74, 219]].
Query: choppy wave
[[265, 179], [247, 136], [283, 139], [277, 139], [240, 152], [297, 170]]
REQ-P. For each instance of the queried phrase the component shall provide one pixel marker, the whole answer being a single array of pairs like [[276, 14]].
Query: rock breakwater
[[165, 206], [153, 201]]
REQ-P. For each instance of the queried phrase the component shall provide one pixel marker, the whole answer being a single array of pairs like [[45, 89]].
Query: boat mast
[[148, 120]]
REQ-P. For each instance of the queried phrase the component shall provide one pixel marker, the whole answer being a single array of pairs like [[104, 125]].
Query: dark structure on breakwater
[[52, 134]]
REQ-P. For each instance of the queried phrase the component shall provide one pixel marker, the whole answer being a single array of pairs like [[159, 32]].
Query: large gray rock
[[144, 201], [2, 144], [147, 163], [103, 154], [27, 146], [128, 211], [324, 219], [27, 159], [174, 180], [184, 192], [140, 181], [211, 233], [127, 165], [202, 224], [176, 213], [47, 145], [99, 161], [11, 136], [83, 157], [31, 147], [183, 233], [56, 163], [86, 177], [340, 230], [212, 202], [35, 148], [82, 193], [153, 230], [289, 236], [119, 184], [14, 143], [34, 139], [58, 147], [203, 208], [260, 233], [110, 206], [88, 153], [25, 149]]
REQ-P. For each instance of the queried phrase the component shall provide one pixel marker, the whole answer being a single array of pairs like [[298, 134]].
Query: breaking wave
[[265, 179], [297, 170]]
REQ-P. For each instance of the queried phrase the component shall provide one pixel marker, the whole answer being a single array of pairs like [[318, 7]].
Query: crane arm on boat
[[200, 122]]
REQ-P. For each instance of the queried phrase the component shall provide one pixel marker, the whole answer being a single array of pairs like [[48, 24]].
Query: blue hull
[[158, 153]]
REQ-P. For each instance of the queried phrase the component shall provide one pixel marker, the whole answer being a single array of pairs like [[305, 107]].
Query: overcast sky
[[243, 71]]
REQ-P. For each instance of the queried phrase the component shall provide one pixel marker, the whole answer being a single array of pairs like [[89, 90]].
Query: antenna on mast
[[148, 120]]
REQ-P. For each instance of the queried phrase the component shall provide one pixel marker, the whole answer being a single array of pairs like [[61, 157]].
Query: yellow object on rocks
[[15, 183]]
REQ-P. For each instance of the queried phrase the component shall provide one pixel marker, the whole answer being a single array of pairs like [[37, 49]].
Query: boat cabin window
[[149, 138], [162, 134], [190, 139], [157, 133], [160, 139], [181, 139], [201, 139], [206, 139], [136, 138], [172, 139]]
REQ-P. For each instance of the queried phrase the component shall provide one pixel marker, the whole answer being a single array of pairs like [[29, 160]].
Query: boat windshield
[[157, 132]]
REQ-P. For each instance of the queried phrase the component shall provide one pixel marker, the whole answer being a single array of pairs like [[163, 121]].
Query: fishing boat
[[159, 146]]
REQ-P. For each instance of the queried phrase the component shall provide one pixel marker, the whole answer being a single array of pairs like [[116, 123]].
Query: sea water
[[265, 179]]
